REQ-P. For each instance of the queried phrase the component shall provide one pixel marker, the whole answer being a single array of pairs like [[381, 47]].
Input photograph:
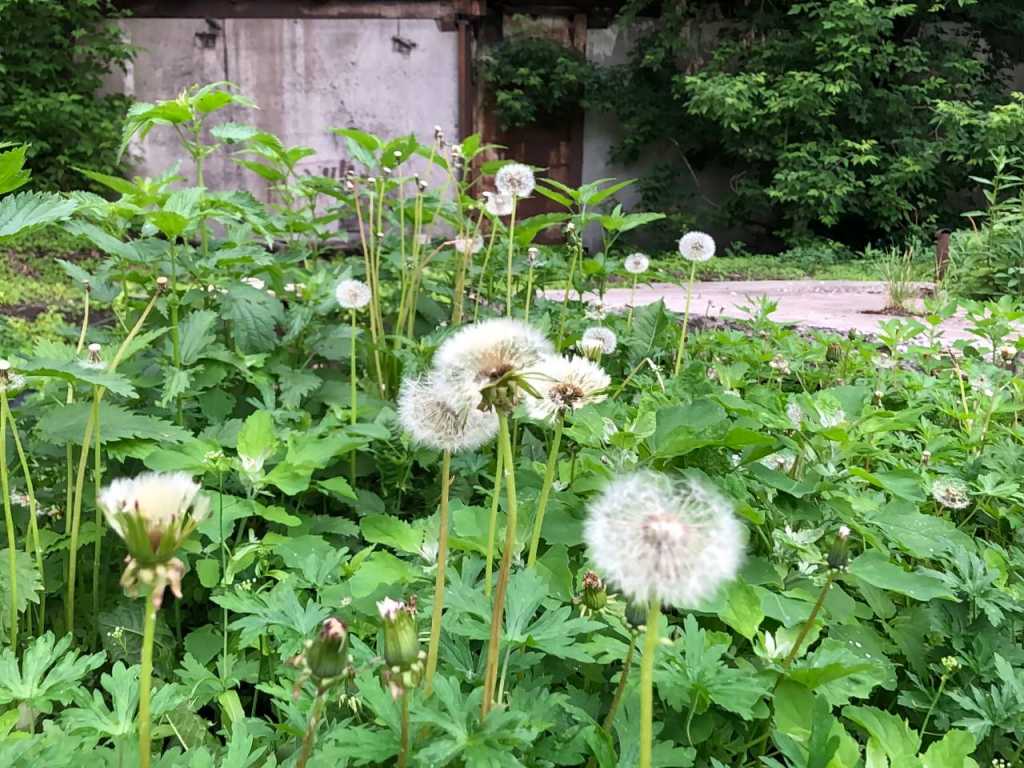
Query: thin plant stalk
[[806, 628], [97, 551], [686, 319], [439, 581], [511, 251], [529, 293], [545, 490], [12, 568], [632, 301], [403, 754], [647, 684], [568, 292], [146, 679], [314, 721], [931, 707], [492, 526], [483, 270], [33, 505], [627, 665], [465, 263], [353, 395], [500, 591], [70, 398]]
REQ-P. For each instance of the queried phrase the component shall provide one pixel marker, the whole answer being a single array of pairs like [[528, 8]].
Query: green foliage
[[56, 54], [836, 118], [534, 80]]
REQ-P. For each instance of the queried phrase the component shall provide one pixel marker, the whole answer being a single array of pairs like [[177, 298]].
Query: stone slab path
[[837, 305]]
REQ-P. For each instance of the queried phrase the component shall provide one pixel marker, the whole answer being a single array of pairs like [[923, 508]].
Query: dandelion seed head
[[609, 341], [564, 384], [653, 537], [498, 205], [468, 245], [440, 412], [951, 492], [352, 294], [637, 263], [696, 246], [515, 180]]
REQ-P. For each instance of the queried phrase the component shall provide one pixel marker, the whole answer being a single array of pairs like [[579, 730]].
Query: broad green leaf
[[27, 210], [742, 609], [391, 532], [63, 424], [876, 569]]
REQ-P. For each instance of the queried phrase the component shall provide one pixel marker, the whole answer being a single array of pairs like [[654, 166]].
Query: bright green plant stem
[[353, 408], [498, 610], [647, 684], [686, 320], [511, 252], [565, 299], [545, 490], [931, 707], [627, 665], [314, 721], [483, 270], [492, 526], [33, 525], [632, 301], [97, 550], [12, 567], [146, 679], [806, 628], [439, 580], [83, 461], [529, 293], [403, 752]]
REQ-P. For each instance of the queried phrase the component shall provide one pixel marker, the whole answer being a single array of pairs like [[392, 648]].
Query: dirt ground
[[839, 305]]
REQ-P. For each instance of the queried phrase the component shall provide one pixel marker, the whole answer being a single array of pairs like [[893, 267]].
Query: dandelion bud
[[327, 655], [926, 457], [385, 172], [403, 658], [834, 352], [161, 283], [423, 186], [532, 256], [1007, 352], [371, 180], [879, 394], [438, 133], [397, 154], [839, 555], [636, 616], [594, 596]]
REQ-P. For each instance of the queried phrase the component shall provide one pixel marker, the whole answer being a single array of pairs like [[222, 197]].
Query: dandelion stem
[[686, 319], [146, 678], [33, 505], [931, 707], [483, 271], [806, 628], [565, 298], [497, 614], [403, 754], [627, 664], [511, 250], [647, 684], [353, 395], [492, 527], [545, 491], [632, 301], [314, 721], [12, 568], [97, 550], [439, 582]]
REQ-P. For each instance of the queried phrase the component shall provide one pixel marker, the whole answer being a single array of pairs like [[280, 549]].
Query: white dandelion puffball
[[606, 336], [564, 384], [696, 246], [434, 413], [254, 282], [352, 294], [498, 205], [468, 245], [158, 499], [673, 540], [637, 263], [10, 382], [515, 180], [483, 353], [951, 492]]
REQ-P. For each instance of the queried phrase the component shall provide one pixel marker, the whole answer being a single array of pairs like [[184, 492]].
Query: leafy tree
[[54, 55]]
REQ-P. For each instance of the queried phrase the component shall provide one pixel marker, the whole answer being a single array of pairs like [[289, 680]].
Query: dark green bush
[[54, 55]]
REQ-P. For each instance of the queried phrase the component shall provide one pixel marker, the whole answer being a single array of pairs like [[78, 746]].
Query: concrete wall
[[307, 76]]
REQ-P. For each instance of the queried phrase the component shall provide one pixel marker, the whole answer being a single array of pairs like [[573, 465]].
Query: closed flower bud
[[636, 616], [834, 352], [839, 555], [594, 596], [403, 659], [327, 655]]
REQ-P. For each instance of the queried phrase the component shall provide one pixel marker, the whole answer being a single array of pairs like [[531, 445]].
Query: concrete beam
[[299, 9]]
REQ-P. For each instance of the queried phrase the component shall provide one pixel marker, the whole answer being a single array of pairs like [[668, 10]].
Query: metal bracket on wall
[[208, 38]]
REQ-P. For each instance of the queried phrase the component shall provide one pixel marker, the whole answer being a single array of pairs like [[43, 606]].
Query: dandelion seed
[[564, 384], [353, 294], [515, 180], [696, 246], [951, 492], [498, 205], [609, 341], [436, 412], [637, 263], [676, 541]]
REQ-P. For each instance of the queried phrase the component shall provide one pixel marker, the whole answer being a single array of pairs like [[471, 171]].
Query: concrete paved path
[[838, 305]]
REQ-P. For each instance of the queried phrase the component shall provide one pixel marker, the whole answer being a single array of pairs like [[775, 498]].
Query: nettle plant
[[356, 478]]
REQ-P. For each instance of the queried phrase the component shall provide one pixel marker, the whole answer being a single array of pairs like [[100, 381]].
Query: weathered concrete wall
[[307, 76]]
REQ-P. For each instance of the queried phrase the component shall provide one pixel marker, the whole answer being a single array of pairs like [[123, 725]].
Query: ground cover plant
[[275, 503]]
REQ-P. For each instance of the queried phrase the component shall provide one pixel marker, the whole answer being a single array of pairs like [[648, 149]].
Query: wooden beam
[[292, 9]]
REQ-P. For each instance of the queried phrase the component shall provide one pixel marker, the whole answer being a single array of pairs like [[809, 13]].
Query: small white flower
[[468, 245], [352, 294], [515, 180], [254, 282], [564, 384], [436, 411], [779, 364], [609, 341], [158, 499], [498, 205], [533, 256], [951, 492], [389, 609], [696, 246], [637, 263], [676, 541]]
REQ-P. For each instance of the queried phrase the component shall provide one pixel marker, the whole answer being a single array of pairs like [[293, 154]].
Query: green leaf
[[889, 732], [64, 424], [12, 169], [337, 486], [208, 571], [196, 335], [875, 568], [378, 570], [953, 750], [902, 483], [77, 372], [27, 210], [742, 609], [256, 437], [254, 316], [392, 532]]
